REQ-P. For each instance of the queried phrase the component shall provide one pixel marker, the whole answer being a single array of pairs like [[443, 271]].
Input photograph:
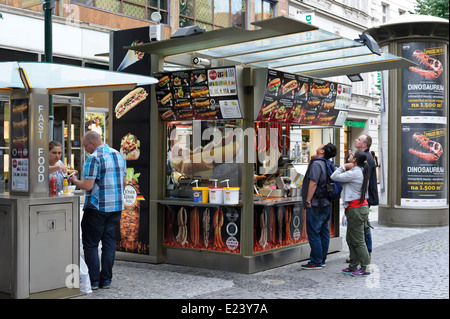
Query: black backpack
[[331, 190]]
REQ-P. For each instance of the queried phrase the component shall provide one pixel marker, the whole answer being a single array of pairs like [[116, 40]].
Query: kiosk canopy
[[59, 78], [280, 43]]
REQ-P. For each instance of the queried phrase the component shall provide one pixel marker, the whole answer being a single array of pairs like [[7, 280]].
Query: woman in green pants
[[354, 176]]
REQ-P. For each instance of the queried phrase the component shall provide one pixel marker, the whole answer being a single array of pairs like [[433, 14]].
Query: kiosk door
[[50, 235]]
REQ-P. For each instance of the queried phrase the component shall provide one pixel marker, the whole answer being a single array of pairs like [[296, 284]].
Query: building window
[[384, 13], [212, 14], [357, 4], [264, 9], [141, 9]]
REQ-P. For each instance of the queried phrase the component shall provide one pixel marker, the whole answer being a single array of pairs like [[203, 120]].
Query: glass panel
[[319, 56], [267, 9], [206, 26], [258, 7], [111, 5], [76, 128], [203, 10], [222, 13], [134, 10], [163, 4], [139, 1], [369, 59], [210, 162], [187, 8], [164, 15], [86, 2], [46, 75], [186, 22], [272, 43], [238, 13]]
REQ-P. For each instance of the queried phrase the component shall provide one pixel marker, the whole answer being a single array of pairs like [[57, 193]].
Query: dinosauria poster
[[424, 125], [423, 86], [423, 164]]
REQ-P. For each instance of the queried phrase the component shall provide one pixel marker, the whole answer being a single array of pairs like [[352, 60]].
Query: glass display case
[[71, 116]]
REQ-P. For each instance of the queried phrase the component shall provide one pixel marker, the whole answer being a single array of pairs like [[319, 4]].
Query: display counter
[[214, 235]]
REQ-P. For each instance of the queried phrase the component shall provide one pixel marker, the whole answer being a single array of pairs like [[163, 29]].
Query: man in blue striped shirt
[[104, 181]]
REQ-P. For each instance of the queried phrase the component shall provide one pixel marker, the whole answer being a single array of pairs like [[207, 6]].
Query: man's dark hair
[[330, 151]]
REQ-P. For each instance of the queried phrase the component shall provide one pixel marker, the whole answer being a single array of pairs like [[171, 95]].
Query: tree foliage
[[436, 8]]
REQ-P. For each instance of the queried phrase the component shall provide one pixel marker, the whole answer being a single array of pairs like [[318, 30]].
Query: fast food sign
[[292, 98], [206, 94]]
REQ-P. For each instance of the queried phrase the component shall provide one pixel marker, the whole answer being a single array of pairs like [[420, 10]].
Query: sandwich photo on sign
[[129, 101]]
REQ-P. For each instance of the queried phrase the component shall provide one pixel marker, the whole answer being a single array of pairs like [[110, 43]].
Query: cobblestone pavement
[[407, 263]]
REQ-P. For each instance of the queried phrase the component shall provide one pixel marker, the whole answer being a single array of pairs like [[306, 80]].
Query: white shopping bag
[[85, 282]]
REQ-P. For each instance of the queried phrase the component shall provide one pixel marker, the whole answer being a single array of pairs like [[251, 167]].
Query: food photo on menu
[[130, 147], [131, 57], [129, 101]]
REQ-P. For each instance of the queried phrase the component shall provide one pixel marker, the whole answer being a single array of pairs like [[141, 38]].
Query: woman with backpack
[[355, 178]]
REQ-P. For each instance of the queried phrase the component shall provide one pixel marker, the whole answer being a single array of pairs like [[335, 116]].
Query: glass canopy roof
[[287, 45], [59, 78]]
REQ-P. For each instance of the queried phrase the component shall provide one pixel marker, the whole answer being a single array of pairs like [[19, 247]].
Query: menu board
[[292, 98], [20, 145], [206, 94]]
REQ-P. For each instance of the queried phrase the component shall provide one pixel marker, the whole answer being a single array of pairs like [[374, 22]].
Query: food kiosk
[[40, 234], [223, 193]]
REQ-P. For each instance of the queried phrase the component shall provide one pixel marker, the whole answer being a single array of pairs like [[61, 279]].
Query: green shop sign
[[355, 124]]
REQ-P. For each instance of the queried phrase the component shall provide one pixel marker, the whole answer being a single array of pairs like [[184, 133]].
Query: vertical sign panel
[[424, 125], [131, 135], [20, 169]]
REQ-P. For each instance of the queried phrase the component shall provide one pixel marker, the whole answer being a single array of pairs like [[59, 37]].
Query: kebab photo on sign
[[130, 147], [131, 57], [130, 219]]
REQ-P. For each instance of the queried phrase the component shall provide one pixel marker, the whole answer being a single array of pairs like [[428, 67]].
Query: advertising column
[[131, 135], [423, 126]]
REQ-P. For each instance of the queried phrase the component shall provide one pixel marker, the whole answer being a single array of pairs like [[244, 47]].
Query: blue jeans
[[318, 232], [99, 226]]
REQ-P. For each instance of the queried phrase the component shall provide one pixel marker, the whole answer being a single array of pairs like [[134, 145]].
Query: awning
[[281, 43], [64, 79]]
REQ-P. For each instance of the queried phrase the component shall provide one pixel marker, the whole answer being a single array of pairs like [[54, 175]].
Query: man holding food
[[104, 181]]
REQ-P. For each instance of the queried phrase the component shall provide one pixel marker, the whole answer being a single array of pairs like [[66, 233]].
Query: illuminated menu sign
[[206, 94], [292, 98]]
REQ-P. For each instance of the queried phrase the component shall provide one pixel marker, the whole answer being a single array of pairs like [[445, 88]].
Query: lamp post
[[48, 7]]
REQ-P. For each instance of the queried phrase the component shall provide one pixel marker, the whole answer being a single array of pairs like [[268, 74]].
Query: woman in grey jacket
[[355, 177]]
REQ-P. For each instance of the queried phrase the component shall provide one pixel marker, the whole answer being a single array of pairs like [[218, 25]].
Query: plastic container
[[231, 195], [215, 193], [200, 194]]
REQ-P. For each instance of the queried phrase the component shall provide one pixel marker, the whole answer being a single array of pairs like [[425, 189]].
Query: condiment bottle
[[53, 186], [65, 186]]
